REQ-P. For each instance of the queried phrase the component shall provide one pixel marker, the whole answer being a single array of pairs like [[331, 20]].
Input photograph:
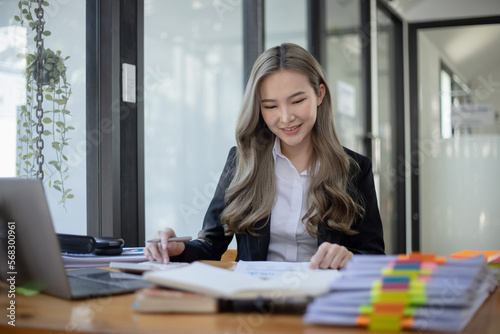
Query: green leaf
[[48, 97], [17, 18], [70, 127], [57, 188], [47, 33], [47, 120], [60, 124], [71, 196], [45, 3], [47, 133]]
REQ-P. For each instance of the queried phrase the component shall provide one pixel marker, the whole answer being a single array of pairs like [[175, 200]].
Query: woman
[[289, 190]]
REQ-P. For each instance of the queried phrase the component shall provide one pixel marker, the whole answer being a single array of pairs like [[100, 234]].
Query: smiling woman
[[289, 108], [289, 190]]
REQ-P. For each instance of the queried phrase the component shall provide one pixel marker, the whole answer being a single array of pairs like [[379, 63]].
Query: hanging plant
[[56, 92]]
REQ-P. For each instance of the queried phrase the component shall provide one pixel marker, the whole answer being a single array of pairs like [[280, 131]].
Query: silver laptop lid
[[38, 262]]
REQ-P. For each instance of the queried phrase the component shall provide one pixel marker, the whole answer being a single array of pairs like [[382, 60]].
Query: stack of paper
[[492, 257], [416, 292]]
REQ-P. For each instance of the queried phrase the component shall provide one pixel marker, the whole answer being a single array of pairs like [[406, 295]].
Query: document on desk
[[130, 254], [232, 285], [142, 267], [270, 269]]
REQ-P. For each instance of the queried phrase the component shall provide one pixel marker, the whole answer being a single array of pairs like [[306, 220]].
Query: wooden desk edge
[[46, 314]]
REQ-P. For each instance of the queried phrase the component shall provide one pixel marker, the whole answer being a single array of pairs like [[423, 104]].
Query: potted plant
[[56, 93]]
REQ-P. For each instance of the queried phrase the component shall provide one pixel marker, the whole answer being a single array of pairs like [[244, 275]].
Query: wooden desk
[[45, 314]]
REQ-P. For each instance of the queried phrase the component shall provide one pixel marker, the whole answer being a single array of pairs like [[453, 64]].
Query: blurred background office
[[415, 84]]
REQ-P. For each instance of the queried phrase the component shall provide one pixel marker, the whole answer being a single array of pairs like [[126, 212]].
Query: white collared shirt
[[289, 238]]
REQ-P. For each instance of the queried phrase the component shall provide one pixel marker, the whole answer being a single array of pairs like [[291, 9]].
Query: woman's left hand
[[330, 256]]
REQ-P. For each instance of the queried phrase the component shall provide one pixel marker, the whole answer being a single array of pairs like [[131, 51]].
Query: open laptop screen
[[27, 225], [30, 252]]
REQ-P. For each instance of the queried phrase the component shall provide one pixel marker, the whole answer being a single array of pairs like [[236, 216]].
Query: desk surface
[[46, 314]]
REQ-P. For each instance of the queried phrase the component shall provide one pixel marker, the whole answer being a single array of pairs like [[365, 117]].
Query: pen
[[180, 239]]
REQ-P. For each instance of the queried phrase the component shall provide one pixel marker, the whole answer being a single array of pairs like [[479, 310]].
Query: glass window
[[285, 21], [193, 77], [386, 176], [64, 118], [344, 44], [445, 104], [459, 150]]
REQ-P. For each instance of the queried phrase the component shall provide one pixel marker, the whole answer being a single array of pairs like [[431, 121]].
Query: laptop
[[36, 263]]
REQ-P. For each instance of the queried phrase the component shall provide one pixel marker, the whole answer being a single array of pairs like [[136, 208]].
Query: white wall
[[459, 182]]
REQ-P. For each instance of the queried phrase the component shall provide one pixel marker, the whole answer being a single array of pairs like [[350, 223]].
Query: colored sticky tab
[[490, 255], [412, 274], [389, 308], [426, 272], [365, 309], [28, 291], [429, 265], [407, 323], [395, 279], [422, 256], [406, 266], [395, 286], [363, 321], [393, 296], [385, 322], [418, 299], [408, 261], [424, 278], [418, 284]]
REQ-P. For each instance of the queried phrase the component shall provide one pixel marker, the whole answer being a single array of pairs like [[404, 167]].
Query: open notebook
[[36, 264]]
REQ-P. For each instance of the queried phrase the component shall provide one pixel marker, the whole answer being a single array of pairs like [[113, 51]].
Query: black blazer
[[212, 242]]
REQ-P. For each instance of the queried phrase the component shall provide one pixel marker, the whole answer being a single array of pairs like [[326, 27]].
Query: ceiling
[[472, 50], [432, 10]]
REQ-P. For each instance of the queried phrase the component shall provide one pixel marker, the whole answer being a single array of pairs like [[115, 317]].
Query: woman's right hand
[[162, 251]]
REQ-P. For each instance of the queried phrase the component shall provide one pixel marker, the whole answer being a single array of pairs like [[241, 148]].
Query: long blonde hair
[[251, 194]]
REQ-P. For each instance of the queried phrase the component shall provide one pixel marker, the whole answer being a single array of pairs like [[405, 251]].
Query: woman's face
[[289, 106]]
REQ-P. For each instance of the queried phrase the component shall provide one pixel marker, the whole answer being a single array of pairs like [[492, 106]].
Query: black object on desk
[[83, 244]]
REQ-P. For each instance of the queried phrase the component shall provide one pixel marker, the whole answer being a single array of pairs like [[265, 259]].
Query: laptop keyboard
[[102, 284], [81, 286]]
